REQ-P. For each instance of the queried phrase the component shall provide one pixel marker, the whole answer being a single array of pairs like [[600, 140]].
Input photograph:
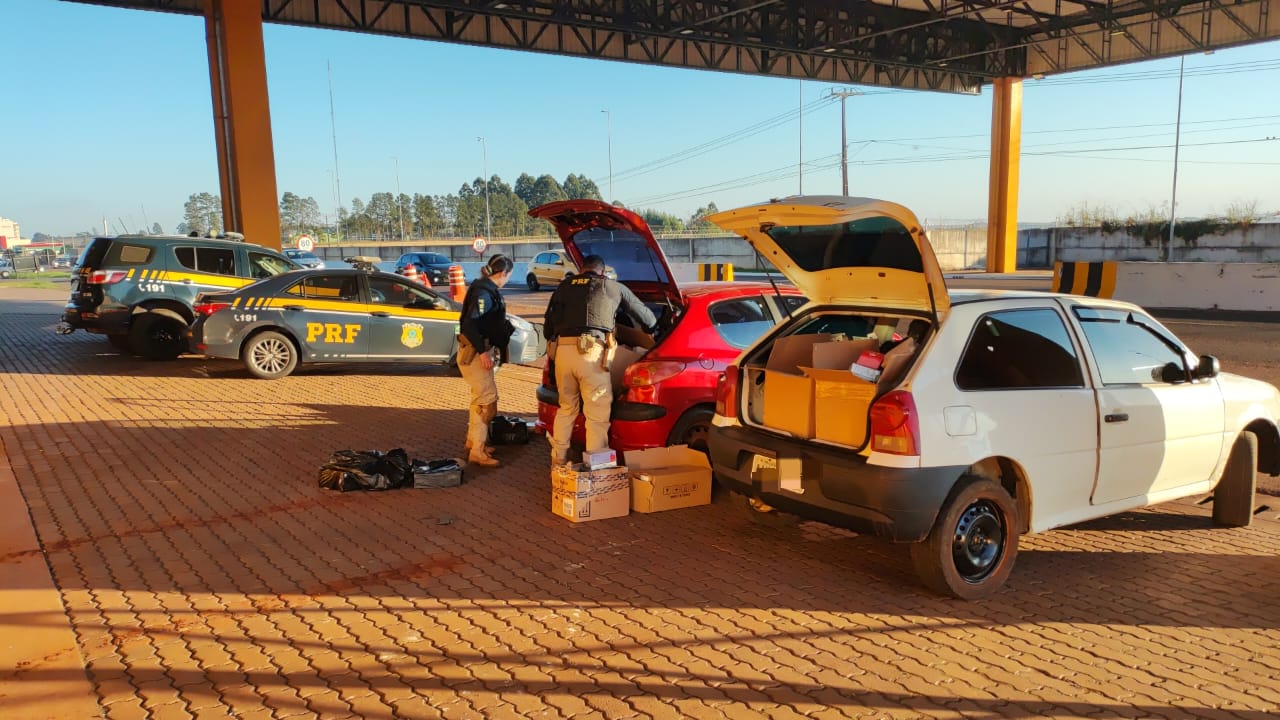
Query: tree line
[[391, 216]]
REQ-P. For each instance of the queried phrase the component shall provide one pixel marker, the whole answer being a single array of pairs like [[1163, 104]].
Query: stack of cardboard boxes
[[651, 481], [819, 386]]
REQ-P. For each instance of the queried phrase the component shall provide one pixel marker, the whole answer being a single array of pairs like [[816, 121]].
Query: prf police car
[[138, 289], [335, 315]]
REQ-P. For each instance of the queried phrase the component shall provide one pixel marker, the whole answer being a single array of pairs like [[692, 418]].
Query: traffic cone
[[411, 272], [457, 283]]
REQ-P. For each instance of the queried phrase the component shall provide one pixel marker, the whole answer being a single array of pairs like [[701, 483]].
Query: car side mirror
[[1173, 372], [1208, 367]]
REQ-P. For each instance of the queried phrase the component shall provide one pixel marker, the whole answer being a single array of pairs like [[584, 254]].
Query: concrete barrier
[[1250, 287], [716, 271], [1096, 279]]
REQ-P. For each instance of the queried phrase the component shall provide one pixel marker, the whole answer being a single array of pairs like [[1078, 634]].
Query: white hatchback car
[[999, 413]]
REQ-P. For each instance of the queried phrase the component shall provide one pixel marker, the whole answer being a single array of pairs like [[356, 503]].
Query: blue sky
[[106, 112]]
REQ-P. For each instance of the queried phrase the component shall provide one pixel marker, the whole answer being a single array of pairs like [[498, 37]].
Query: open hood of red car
[[621, 237]]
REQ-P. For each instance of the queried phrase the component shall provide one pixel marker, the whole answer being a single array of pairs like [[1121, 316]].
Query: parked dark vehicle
[[433, 265], [138, 289]]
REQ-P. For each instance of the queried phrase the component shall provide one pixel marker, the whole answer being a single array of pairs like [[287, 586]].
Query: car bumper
[[632, 425], [836, 487], [106, 323]]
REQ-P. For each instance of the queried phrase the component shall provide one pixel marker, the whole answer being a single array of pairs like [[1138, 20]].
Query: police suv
[[138, 289]]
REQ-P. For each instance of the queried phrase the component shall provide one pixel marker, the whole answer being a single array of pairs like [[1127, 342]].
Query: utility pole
[[488, 226], [801, 163], [844, 143], [337, 179], [398, 205], [609, 119], [1177, 139]]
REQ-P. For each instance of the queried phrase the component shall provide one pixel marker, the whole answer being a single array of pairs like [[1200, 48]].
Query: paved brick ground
[[205, 575]]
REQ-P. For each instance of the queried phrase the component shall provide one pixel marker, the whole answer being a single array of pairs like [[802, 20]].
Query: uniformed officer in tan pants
[[484, 332], [579, 323]]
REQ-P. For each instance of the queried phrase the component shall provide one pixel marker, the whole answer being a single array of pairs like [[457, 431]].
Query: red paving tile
[[202, 573]]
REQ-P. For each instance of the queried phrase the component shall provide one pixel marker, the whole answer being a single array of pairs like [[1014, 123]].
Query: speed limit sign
[[479, 244], [305, 243]]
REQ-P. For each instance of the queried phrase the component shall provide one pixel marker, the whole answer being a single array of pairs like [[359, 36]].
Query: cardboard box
[[581, 495], [600, 459], [788, 393], [668, 478], [840, 355], [623, 357], [895, 362], [841, 401]]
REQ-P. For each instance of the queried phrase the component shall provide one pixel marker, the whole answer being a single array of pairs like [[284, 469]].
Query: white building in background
[[9, 234]]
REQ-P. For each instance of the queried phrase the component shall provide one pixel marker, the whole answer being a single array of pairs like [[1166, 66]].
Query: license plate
[[762, 462]]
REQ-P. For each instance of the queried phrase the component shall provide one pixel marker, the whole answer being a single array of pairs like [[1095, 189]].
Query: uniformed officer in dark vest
[[579, 326], [484, 332]]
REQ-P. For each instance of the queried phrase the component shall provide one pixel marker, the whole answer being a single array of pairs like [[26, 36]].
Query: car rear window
[[867, 242], [121, 253], [740, 321], [628, 253]]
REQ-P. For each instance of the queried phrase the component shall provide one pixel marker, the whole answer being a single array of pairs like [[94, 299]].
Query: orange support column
[[242, 120], [1006, 150]]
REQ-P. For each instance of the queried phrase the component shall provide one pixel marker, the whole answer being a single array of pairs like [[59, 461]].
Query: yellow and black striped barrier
[[1096, 279], [715, 271]]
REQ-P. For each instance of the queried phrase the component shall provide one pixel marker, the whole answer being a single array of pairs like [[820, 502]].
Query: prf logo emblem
[[411, 335], [332, 333]]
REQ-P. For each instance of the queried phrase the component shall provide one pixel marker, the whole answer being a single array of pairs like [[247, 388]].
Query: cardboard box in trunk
[[623, 357], [581, 495], [668, 478], [788, 394], [841, 402]]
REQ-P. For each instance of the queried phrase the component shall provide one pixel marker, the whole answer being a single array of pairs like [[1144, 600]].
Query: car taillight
[[643, 374], [895, 425], [106, 277], [548, 369], [727, 393], [209, 308]]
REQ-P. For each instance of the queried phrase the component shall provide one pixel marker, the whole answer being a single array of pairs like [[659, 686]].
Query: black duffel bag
[[508, 431], [366, 470]]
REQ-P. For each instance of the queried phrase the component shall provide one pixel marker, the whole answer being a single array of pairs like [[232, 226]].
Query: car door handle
[[1116, 417], [380, 313], [186, 281], [293, 307]]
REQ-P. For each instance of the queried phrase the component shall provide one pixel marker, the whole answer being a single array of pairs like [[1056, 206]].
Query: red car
[[669, 394]]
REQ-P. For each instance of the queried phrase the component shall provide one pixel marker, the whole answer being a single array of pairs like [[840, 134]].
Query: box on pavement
[[581, 495], [668, 478], [788, 393]]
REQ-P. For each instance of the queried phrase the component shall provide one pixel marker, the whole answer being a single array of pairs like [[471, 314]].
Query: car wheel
[[5, 274], [120, 342], [692, 428], [760, 513], [269, 355], [158, 335], [1233, 497], [971, 549], [532, 282]]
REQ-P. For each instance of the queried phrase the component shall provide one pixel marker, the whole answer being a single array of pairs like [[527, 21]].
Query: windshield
[[625, 252], [867, 242]]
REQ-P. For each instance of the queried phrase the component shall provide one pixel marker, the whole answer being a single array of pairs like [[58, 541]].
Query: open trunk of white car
[[875, 291]]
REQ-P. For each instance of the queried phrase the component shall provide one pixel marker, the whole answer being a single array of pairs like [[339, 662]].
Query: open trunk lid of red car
[[621, 237]]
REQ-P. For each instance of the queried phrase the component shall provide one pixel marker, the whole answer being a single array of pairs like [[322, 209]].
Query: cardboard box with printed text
[[668, 478]]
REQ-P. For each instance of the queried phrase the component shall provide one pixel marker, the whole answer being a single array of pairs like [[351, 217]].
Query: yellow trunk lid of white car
[[843, 250]]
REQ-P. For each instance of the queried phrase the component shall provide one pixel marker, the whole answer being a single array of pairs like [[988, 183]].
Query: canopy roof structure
[[944, 45]]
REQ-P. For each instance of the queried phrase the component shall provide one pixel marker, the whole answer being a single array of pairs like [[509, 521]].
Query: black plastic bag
[[349, 470]]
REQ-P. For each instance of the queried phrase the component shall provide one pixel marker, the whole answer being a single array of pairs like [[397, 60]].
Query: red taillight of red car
[[643, 374], [106, 277], [727, 392], [642, 379], [895, 425], [209, 308]]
